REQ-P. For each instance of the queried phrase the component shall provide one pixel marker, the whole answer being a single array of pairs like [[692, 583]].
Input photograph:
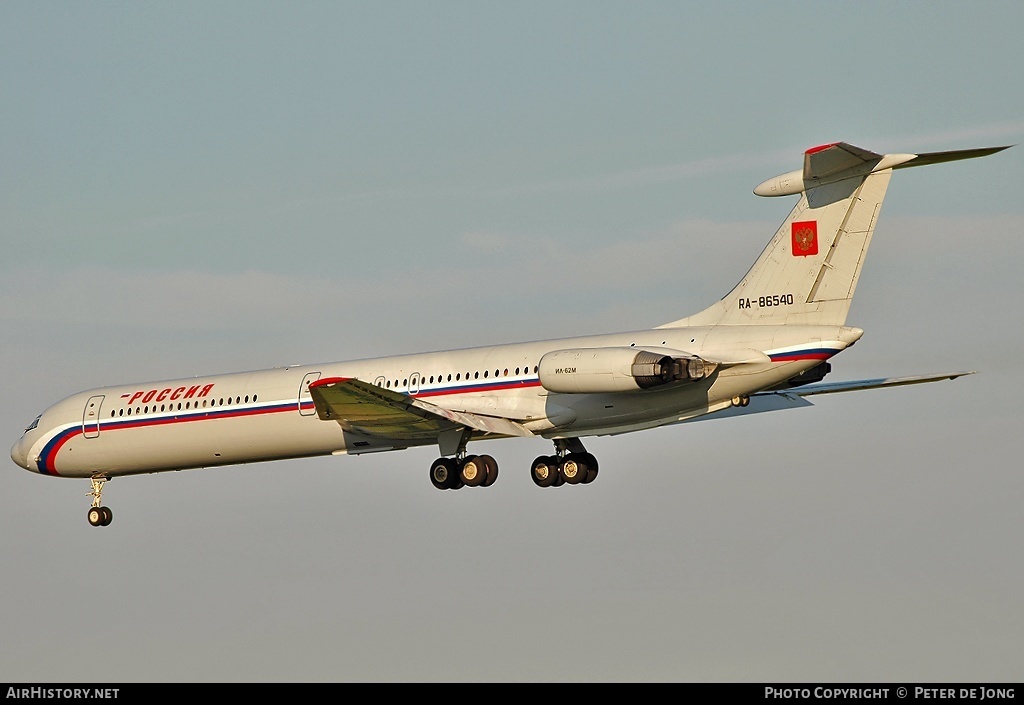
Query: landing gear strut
[[571, 464], [99, 515]]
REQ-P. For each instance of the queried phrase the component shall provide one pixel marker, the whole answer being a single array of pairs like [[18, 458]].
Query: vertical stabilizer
[[808, 273]]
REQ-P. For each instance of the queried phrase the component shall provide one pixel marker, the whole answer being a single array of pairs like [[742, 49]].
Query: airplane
[[765, 346]]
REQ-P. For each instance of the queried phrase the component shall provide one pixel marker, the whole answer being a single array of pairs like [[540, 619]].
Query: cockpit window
[[34, 423]]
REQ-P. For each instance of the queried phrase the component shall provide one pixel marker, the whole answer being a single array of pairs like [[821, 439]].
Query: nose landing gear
[[98, 514]]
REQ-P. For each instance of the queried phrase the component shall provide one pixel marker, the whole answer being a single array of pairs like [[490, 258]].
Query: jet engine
[[588, 370]]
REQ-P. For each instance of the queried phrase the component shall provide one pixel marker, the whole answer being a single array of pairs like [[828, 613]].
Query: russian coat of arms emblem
[[805, 238]]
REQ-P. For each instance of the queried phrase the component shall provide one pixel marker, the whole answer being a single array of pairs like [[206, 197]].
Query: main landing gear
[[99, 515], [571, 465], [464, 471]]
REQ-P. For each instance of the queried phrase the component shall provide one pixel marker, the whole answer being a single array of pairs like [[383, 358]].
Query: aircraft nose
[[19, 453]]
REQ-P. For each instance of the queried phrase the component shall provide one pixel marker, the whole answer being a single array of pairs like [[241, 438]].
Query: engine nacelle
[[588, 370]]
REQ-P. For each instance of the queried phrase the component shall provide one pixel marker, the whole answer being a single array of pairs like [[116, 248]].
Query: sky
[[191, 188]]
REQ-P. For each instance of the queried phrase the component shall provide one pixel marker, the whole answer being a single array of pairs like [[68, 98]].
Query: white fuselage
[[268, 415]]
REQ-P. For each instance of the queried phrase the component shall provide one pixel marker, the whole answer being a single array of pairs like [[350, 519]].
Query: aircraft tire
[[492, 470], [544, 471], [591, 463], [574, 468], [473, 471], [100, 516], [443, 473]]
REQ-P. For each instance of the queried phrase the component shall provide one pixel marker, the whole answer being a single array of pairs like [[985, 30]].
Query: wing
[[830, 387], [365, 408], [793, 398]]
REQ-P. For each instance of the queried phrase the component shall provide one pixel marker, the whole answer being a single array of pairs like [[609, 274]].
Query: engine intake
[[588, 370]]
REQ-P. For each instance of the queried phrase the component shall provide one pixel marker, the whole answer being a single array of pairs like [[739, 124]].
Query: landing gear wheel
[[574, 468], [591, 462], [545, 471], [473, 471], [100, 516], [492, 469], [444, 474]]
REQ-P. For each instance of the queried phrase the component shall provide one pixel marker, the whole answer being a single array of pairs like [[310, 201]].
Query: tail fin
[[808, 272]]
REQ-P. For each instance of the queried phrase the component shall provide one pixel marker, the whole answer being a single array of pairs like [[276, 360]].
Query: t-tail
[[808, 272]]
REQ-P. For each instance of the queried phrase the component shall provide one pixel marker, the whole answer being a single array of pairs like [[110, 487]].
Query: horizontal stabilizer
[[831, 160], [951, 156], [831, 163]]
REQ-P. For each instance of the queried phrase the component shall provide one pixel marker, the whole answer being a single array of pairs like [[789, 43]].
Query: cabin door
[[306, 407], [91, 417]]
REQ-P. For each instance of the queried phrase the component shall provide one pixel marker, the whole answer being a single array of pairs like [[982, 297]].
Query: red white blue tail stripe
[[795, 353]]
